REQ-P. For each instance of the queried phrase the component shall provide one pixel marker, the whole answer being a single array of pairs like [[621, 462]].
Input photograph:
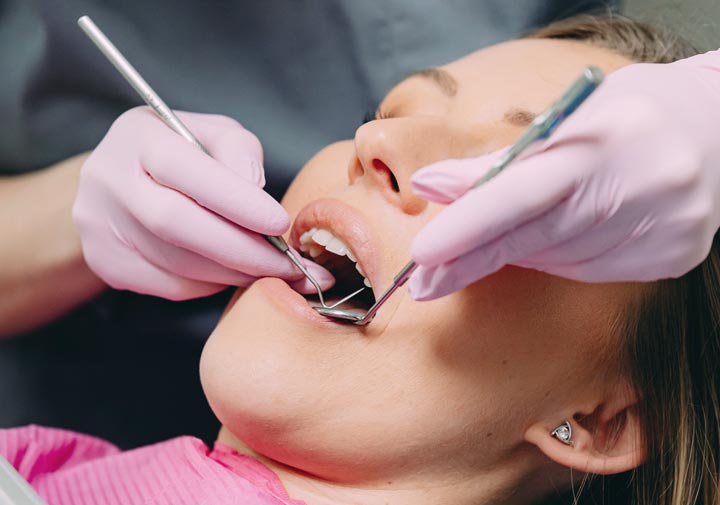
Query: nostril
[[385, 170], [394, 182]]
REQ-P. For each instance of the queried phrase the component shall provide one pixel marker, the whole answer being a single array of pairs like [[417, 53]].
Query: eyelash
[[375, 116]]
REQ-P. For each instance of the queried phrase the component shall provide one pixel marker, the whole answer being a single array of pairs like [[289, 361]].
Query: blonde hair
[[672, 335]]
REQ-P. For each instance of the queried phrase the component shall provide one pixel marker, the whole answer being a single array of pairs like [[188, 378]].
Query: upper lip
[[345, 223]]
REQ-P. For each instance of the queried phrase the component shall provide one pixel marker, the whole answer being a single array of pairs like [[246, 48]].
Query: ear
[[606, 438]]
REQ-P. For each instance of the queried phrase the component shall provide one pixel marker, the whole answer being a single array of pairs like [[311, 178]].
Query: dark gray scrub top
[[298, 73]]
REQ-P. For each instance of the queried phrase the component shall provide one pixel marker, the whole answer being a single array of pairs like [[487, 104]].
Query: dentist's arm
[[42, 271], [627, 189]]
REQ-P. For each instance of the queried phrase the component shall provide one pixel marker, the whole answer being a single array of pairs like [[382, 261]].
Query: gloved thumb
[[447, 180]]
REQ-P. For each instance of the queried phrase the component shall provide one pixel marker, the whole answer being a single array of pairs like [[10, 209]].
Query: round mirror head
[[351, 316]]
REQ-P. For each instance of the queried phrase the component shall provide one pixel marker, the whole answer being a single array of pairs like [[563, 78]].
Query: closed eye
[[376, 115]]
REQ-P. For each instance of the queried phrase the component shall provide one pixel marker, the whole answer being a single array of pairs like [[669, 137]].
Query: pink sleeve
[[35, 451], [68, 468]]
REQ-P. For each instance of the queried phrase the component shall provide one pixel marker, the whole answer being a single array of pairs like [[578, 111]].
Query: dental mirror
[[358, 316], [541, 128]]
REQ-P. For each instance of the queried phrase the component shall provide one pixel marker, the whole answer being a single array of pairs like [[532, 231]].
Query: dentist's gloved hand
[[627, 189], [158, 216]]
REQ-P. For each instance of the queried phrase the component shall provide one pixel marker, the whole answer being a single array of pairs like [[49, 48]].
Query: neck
[[504, 485]]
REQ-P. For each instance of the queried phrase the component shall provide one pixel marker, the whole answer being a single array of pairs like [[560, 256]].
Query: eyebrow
[[444, 80], [515, 116]]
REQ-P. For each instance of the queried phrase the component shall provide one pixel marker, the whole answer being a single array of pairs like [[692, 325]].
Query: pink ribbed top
[[68, 468]]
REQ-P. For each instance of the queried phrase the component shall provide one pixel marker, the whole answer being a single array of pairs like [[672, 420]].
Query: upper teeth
[[317, 240]]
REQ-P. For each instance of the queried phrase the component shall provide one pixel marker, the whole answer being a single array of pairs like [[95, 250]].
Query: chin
[[259, 370], [246, 367], [266, 380]]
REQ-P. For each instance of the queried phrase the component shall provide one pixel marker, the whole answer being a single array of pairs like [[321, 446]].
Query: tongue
[[345, 273], [347, 281]]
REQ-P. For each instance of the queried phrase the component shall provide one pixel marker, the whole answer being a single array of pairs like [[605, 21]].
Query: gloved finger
[[177, 164], [525, 190], [320, 274], [147, 278], [624, 267], [208, 127], [626, 258], [572, 221], [429, 283], [228, 142], [594, 242], [178, 220], [177, 260], [446, 181], [531, 238]]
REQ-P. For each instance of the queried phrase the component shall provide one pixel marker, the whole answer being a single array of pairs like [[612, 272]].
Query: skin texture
[[449, 401]]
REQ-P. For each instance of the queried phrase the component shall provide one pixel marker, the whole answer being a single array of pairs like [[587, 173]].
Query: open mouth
[[325, 249]]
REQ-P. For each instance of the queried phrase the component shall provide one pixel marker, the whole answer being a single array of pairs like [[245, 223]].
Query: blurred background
[[696, 20]]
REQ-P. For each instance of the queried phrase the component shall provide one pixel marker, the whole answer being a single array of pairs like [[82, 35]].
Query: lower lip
[[290, 301]]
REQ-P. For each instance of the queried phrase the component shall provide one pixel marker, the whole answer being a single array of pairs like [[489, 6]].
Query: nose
[[389, 151]]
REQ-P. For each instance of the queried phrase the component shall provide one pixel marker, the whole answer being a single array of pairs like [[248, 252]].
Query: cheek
[[516, 335], [324, 174]]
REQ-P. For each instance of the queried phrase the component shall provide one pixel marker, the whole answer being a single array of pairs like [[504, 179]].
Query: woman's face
[[443, 386]]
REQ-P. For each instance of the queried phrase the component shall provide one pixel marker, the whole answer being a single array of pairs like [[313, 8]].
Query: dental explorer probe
[[541, 128], [156, 103]]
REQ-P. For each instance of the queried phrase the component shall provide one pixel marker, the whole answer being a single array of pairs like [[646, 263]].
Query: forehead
[[525, 73], [538, 60]]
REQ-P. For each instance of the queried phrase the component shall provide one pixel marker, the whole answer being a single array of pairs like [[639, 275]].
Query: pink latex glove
[[158, 216], [627, 189]]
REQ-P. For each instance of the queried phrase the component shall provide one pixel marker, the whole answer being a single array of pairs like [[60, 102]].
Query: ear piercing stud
[[563, 433]]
